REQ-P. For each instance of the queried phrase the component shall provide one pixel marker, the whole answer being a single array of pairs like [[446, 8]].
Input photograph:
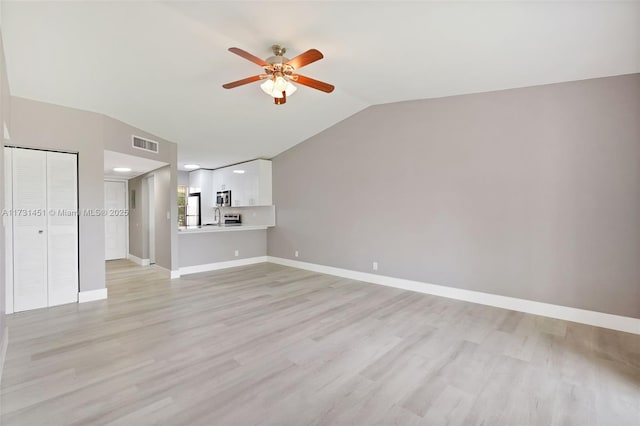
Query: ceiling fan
[[280, 72]]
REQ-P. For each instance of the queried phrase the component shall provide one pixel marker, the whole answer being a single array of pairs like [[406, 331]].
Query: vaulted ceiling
[[160, 66]]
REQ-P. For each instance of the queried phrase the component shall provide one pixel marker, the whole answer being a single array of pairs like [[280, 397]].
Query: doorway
[[116, 221], [140, 197]]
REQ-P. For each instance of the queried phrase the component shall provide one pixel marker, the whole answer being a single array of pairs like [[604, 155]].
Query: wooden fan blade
[[248, 56], [243, 81], [305, 58], [316, 84]]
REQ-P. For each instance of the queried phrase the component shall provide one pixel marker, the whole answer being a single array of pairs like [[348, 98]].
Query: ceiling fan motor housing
[[278, 62], [278, 50]]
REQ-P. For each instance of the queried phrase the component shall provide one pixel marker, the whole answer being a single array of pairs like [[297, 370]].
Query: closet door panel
[[29, 229], [8, 230], [62, 244]]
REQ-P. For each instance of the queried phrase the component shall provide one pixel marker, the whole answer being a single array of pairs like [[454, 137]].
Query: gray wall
[[165, 197], [531, 193], [211, 247], [47, 126]]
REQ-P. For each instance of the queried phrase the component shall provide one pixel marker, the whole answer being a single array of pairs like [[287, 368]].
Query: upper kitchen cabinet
[[201, 182], [195, 182], [249, 183]]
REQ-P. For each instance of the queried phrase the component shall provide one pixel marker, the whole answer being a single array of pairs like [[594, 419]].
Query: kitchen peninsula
[[211, 243]]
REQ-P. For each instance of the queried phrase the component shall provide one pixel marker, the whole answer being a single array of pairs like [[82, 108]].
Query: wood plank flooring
[[270, 345]]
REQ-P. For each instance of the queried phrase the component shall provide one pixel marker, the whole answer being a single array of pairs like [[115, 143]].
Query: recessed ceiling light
[[191, 166], [121, 169], [238, 171]]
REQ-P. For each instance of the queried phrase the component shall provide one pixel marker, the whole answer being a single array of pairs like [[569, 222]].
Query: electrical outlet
[[375, 266], [237, 253], [296, 254]]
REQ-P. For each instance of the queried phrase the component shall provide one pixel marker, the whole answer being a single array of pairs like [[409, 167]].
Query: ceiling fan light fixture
[[267, 87], [275, 86], [280, 84], [290, 89]]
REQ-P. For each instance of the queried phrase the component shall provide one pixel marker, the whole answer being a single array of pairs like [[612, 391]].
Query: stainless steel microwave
[[223, 198]]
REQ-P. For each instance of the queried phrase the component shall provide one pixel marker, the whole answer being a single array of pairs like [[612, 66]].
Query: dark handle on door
[[40, 231]]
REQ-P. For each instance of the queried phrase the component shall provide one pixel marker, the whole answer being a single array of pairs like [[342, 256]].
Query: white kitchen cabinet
[[250, 183], [195, 181], [218, 181], [201, 181], [221, 179]]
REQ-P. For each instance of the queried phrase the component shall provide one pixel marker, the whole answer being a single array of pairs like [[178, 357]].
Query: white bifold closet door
[[29, 230], [62, 228], [45, 228]]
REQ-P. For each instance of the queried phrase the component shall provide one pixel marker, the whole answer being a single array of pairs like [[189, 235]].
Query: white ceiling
[[159, 66], [138, 165]]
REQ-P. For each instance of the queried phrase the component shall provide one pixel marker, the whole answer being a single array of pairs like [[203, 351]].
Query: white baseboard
[[4, 344], [139, 261], [172, 274], [185, 270], [598, 319], [92, 295]]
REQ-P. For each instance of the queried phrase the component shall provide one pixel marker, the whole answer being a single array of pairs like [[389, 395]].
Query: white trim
[[598, 319], [175, 274], [3, 350], [92, 295], [185, 270], [139, 261]]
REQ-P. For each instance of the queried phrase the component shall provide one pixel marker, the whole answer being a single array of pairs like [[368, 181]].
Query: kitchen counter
[[202, 248], [216, 228]]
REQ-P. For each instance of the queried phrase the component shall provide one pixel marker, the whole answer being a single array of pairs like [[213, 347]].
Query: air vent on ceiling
[[146, 144]]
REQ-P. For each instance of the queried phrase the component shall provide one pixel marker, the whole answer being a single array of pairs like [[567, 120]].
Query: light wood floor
[[272, 345]]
